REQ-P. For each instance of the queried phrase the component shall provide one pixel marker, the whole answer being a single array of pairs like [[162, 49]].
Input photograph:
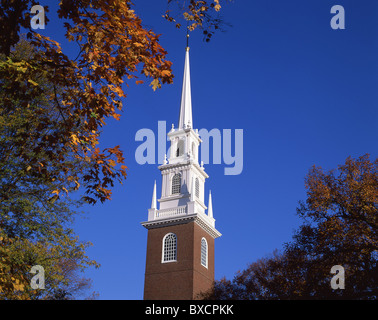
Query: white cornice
[[209, 229], [180, 220], [173, 167]]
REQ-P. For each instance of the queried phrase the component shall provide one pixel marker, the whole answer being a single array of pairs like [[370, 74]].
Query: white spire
[[210, 206], [186, 97], [153, 202]]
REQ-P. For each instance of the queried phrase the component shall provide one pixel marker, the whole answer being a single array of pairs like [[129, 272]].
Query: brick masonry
[[185, 278]]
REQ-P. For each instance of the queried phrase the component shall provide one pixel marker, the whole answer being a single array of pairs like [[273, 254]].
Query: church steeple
[[183, 176], [181, 229]]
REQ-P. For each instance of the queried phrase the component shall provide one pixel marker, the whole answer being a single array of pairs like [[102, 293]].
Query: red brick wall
[[184, 279], [203, 277]]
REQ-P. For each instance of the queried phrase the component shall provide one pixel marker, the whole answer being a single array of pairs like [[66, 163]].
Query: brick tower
[[181, 233]]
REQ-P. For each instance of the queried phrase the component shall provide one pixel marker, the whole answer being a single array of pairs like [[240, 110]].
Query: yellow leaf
[[75, 139], [33, 82], [155, 84]]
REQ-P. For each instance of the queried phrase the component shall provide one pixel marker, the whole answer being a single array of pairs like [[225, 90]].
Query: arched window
[[204, 252], [180, 148], [169, 248], [176, 183], [197, 188]]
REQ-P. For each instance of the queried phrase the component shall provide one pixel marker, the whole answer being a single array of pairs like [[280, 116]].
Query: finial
[[210, 206], [187, 38], [153, 202]]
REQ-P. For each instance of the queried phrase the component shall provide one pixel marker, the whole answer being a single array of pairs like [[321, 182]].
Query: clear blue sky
[[303, 93]]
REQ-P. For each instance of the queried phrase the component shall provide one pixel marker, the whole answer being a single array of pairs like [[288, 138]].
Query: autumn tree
[[76, 285], [340, 228], [112, 43], [52, 112], [63, 260], [113, 48], [35, 223], [197, 14]]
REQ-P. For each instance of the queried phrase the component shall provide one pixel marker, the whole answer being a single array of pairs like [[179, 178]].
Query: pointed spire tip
[[186, 100]]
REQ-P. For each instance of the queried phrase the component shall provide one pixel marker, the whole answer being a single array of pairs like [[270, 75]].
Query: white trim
[[171, 221], [207, 253], [163, 248]]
